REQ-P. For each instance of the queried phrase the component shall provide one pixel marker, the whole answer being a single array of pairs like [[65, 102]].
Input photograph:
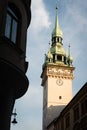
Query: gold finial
[[49, 45], [69, 51]]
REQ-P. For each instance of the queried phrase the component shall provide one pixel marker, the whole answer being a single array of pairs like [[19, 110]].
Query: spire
[[57, 32], [56, 52], [56, 21]]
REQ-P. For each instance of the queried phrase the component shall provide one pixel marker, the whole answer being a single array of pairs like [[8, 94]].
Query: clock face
[[59, 82]]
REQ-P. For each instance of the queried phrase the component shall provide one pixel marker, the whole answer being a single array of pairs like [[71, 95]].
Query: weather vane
[[56, 4], [69, 50]]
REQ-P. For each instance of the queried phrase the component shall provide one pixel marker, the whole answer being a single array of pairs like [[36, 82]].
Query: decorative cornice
[[63, 72]]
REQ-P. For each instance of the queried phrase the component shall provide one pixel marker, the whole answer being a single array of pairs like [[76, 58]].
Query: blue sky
[[73, 22]]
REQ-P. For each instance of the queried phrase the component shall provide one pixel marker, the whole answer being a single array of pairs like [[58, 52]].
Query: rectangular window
[[64, 59], [60, 40], [14, 31], [59, 57], [60, 97], [8, 26], [76, 113], [67, 120], [84, 107], [85, 128], [53, 57], [11, 25]]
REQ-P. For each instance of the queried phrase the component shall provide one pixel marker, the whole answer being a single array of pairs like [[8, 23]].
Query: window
[[83, 123], [11, 24], [64, 59], [85, 128], [60, 97], [59, 57], [76, 126], [53, 57], [60, 39], [67, 120], [84, 107], [54, 39], [62, 124], [76, 112]]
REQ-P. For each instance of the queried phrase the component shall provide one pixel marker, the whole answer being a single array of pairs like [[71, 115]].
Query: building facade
[[15, 18], [74, 115], [57, 76]]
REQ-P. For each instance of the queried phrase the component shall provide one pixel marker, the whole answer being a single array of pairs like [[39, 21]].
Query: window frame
[[13, 14], [84, 106], [67, 120], [76, 112]]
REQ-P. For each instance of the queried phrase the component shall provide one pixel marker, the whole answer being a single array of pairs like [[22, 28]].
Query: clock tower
[[57, 76]]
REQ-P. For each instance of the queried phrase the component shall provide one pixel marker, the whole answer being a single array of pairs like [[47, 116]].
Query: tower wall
[[59, 95], [57, 91], [57, 76]]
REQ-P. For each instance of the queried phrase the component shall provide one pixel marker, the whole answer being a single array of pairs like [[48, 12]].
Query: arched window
[[12, 21]]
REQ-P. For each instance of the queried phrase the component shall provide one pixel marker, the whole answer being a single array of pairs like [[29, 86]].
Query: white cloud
[[40, 17], [74, 28], [78, 17]]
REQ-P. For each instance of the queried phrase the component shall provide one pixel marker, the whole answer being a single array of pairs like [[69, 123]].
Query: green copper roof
[[57, 30], [58, 49]]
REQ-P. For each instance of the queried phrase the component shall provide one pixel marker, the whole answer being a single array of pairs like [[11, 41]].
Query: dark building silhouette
[[15, 18]]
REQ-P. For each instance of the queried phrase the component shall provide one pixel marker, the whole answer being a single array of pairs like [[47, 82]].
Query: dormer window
[[11, 25]]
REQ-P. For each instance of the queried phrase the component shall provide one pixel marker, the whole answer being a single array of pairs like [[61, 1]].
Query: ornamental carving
[[60, 72]]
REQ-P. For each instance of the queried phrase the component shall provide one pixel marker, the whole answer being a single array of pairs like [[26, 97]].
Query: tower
[[15, 18], [57, 76]]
